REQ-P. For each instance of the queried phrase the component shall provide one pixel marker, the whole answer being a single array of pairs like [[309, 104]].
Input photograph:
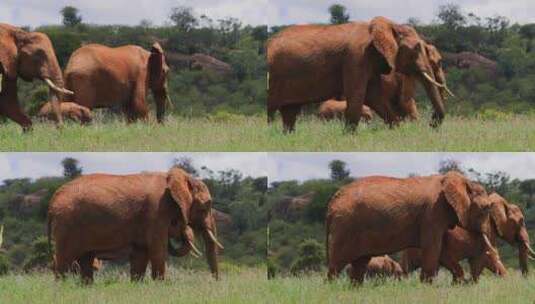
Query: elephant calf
[[460, 244], [379, 267], [334, 109], [69, 110]]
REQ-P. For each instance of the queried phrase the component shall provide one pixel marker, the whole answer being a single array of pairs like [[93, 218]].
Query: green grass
[[510, 133], [249, 285]]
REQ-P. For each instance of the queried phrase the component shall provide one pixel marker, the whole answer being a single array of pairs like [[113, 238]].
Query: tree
[[451, 16], [446, 165], [186, 164], [339, 14], [183, 18], [528, 187], [71, 18], [71, 168], [338, 170]]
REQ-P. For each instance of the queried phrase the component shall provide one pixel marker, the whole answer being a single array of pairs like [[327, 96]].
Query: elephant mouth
[[442, 86]]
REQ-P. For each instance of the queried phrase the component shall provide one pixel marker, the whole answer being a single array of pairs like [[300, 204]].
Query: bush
[[4, 264], [310, 258]]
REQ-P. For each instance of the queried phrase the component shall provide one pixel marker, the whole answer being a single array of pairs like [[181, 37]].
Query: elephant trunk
[[187, 240], [162, 102], [524, 251], [211, 244], [432, 90]]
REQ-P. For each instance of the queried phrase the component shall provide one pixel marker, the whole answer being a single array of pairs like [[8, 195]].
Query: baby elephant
[[69, 110], [460, 244], [380, 267], [334, 109]]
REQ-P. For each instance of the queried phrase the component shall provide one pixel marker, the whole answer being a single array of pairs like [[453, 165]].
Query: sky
[[254, 12], [131, 12], [303, 166], [34, 165]]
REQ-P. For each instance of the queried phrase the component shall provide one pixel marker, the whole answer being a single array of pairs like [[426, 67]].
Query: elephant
[[459, 244], [380, 267], [104, 77], [379, 215], [508, 224], [69, 110], [334, 109], [28, 55], [104, 216], [312, 63]]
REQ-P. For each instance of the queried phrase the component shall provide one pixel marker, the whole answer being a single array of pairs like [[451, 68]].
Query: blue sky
[[273, 12], [15, 165]]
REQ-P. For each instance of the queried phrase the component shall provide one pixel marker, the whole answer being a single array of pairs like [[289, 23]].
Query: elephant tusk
[[1, 78], [194, 251], [56, 88], [449, 92], [1, 231], [213, 238], [194, 254], [487, 242], [431, 80], [531, 253]]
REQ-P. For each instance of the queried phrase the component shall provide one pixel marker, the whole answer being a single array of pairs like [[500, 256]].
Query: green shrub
[[310, 259]]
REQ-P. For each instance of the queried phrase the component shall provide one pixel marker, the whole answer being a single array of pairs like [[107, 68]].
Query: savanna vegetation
[[238, 198], [297, 243]]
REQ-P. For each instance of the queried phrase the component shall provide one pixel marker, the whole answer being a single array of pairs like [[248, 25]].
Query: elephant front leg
[[86, 268], [289, 116], [157, 263], [431, 244], [455, 269], [10, 107], [138, 264], [358, 270]]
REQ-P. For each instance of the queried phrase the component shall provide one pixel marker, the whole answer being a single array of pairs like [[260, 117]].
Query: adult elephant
[[104, 77], [312, 63], [28, 55], [379, 215], [508, 224], [99, 215], [460, 244]]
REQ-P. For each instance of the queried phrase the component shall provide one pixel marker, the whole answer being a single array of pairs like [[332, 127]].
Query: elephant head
[[30, 55], [469, 201], [158, 71], [195, 212], [508, 222], [403, 50]]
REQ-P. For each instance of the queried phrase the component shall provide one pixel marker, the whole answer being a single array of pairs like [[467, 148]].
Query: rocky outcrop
[[470, 60], [198, 61], [27, 204], [223, 221], [289, 208]]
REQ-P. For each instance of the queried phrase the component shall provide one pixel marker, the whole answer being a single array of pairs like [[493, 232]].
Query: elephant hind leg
[[335, 267], [289, 116], [359, 268]]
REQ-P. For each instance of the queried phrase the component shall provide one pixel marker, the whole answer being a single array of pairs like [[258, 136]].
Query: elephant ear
[[8, 54], [383, 39], [156, 63], [179, 184], [455, 188]]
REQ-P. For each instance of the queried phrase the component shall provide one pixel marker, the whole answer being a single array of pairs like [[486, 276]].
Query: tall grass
[[238, 133], [249, 285]]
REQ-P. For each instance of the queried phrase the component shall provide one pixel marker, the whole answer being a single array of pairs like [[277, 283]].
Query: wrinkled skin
[[460, 244], [313, 63], [380, 215], [508, 224], [105, 216], [103, 77], [27, 55], [69, 110], [379, 267], [334, 109]]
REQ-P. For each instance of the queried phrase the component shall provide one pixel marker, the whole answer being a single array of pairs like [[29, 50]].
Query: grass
[[249, 285], [510, 133]]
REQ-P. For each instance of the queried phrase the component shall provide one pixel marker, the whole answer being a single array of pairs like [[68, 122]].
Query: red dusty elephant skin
[[69, 110], [379, 267], [29, 56], [379, 215], [313, 63], [99, 215], [103, 77], [460, 244], [334, 109]]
